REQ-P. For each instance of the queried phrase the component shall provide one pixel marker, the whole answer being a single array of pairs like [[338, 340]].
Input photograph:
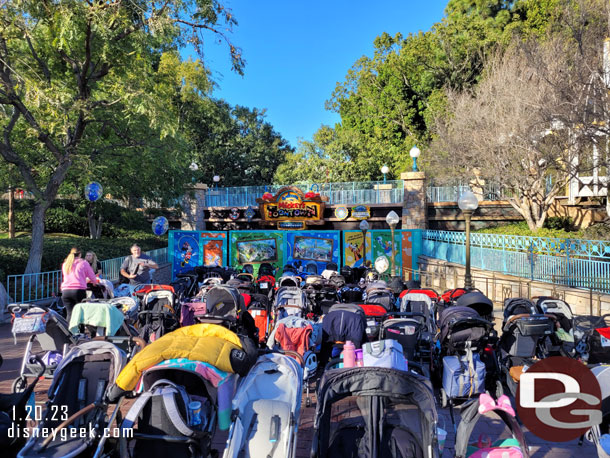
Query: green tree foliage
[[89, 86], [235, 143]]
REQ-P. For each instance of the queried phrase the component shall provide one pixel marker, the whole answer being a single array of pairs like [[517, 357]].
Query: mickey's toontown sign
[[290, 205]]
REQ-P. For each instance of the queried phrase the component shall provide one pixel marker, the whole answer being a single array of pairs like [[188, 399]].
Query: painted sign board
[[290, 205]]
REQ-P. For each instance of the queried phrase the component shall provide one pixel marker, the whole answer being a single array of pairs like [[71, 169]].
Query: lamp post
[[392, 220], [364, 226], [414, 153], [216, 180], [385, 170], [468, 203], [193, 168]]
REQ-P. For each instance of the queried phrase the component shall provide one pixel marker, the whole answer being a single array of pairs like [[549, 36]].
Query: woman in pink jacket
[[76, 272]]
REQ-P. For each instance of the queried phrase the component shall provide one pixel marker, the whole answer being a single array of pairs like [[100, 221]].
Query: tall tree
[[76, 75]]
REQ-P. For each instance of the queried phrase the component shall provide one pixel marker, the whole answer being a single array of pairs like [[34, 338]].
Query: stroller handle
[[295, 355], [404, 314], [529, 315], [65, 423]]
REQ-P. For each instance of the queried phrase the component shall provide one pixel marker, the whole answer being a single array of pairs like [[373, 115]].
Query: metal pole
[[393, 252], [467, 277], [364, 243]]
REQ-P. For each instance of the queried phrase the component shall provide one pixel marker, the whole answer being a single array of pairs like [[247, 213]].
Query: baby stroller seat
[[52, 333]]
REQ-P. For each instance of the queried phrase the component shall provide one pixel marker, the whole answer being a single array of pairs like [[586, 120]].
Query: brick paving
[[490, 425]]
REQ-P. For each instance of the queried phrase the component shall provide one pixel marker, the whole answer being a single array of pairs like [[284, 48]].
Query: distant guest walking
[[137, 267], [76, 273]]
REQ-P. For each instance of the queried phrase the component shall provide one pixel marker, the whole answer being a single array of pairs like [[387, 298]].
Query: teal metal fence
[[569, 262], [45, 285], [349, 193]]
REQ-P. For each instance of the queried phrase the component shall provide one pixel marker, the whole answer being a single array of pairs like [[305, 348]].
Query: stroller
[[77, 397], [192, 308], [375, 315], [290, 280], [478, 302], [244, 282], [225, 306], [470, 415], [377, 292], [50, 330], [158, 314], [162, 419], [290, 300], [563, 338], [14, 414], [375, 412], [468, 365], [351, 293], [593, 336], [595, 434], [260, 310], [267, 408], [412, 330], [525, 339]]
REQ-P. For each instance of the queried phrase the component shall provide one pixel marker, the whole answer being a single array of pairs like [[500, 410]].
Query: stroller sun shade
[[224, 302], [476, 301], [370, 412]]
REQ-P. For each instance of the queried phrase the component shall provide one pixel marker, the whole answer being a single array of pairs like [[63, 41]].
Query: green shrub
[[599, 231], [565, 223]]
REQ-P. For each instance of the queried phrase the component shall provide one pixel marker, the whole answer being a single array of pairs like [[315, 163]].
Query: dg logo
[[559, 399]]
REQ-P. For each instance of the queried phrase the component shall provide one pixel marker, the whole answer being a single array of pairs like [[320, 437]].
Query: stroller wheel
[[20, 384], [444, 402]]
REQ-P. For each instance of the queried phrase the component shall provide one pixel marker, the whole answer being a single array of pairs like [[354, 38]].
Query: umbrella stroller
[[50, 330], [268, 407], [77, 401], [601, 433], [374, 412]]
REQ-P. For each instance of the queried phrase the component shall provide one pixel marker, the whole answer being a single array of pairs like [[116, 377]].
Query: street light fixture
[[468, 203], [414, 153], [193, 168], [364, 226], [385, 170], [216, 180], [392, 220]]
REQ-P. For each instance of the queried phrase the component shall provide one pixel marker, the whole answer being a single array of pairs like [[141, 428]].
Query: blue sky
[[296, 52]]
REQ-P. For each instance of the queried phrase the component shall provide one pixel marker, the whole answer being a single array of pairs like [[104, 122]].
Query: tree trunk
[[35, 259], [11, 213], [95, 222]]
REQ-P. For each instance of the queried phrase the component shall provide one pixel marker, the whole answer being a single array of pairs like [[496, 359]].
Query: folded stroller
[[601, 432], [468, 365], [525, 339], [78, 393], [50, 330], [267, 408], [514, 447], [375, 412]]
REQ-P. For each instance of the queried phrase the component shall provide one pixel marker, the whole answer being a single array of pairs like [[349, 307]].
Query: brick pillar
[[193, 206], [414, 209]]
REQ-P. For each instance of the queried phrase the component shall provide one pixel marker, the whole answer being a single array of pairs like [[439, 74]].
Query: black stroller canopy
[[392, 388], [517, 306], [477, 301], [224, 302]]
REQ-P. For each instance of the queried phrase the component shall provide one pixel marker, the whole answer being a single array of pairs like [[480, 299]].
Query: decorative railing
[[489, 191], [349, 193], [571, 262], [45, 285]]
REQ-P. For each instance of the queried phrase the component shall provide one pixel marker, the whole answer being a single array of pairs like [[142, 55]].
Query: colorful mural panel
[[189, 249], [256, 247], [382, 246], [355, 252], [312, 248], [407, 253]]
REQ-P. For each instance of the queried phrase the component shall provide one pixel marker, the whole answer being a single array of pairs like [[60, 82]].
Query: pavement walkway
[[490, 425]]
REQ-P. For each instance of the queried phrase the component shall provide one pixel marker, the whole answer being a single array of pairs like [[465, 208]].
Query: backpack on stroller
[[50, 330], [375, 412], [267, 408], [468, 365]]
